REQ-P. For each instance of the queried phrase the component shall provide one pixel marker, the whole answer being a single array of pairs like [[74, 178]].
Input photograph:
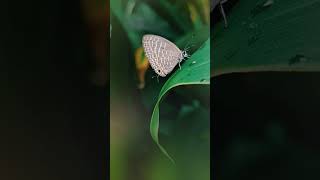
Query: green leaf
[[142, 19], [268, 36], [172, 10], [196, 70]]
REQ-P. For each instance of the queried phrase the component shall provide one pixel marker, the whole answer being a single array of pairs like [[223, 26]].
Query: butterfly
[[162, 54]]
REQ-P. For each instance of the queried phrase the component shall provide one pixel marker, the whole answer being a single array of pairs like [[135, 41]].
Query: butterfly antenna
[[186, 49]]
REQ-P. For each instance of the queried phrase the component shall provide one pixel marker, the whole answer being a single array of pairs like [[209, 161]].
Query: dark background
[[53, 119], [266, 126]]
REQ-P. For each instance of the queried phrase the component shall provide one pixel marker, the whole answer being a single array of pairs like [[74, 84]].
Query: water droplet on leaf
[[268, 3], [261, 7], [192, 63], [299, 58]]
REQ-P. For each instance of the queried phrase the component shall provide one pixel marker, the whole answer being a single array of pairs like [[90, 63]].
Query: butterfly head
[[184, 54]]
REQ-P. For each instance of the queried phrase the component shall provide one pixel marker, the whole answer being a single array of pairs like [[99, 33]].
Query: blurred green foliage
[[185, 124], [172, 19], [268, 36]]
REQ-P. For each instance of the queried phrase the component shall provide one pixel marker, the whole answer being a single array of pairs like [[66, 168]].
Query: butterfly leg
[[179, 65]]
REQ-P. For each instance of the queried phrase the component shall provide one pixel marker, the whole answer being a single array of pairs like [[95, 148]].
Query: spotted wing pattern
[[162, 54]]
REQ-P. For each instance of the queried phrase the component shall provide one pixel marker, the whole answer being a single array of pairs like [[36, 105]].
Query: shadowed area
[[53, 120], [266, 126]]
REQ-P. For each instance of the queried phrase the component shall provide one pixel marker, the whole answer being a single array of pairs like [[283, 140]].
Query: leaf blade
[[199, 65], [268, 39]]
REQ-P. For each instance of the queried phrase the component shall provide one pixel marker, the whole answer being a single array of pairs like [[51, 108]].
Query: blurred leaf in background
[[142, 64], [97, 22], [134, 93]]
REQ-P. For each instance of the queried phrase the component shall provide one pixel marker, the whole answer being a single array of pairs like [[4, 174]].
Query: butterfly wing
[[162, 54]]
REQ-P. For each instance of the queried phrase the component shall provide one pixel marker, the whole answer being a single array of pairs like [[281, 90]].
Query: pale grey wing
[[162, 54], [170, 56], [150, 48]]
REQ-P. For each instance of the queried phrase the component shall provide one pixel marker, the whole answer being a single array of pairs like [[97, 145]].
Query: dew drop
[[192, 63], [268, 3], [299, 58], [261, 7]]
